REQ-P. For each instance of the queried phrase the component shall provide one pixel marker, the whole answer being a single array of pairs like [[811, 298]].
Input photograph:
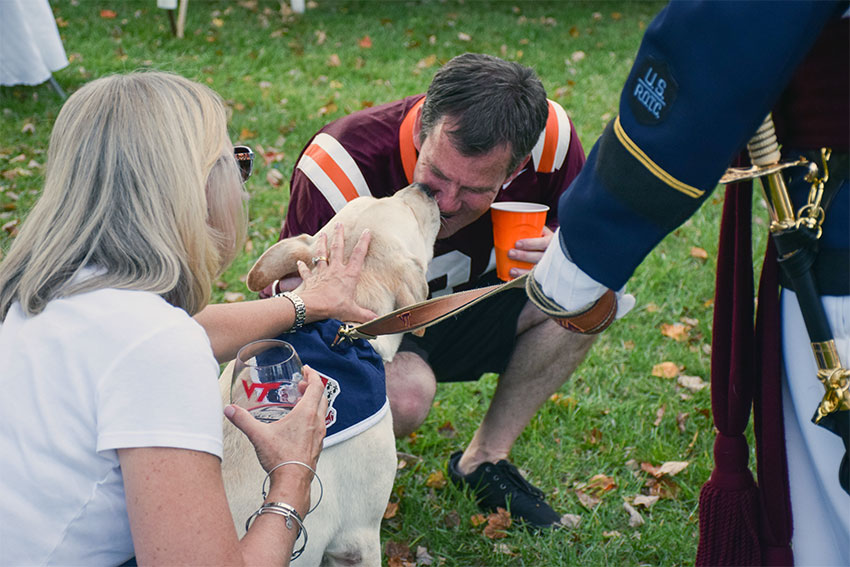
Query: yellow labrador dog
[[357, 472]]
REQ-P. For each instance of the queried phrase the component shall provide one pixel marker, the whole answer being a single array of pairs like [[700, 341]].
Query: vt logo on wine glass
[[269, 372]]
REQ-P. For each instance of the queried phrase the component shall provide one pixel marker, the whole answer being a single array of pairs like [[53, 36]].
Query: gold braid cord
[[590, 321]]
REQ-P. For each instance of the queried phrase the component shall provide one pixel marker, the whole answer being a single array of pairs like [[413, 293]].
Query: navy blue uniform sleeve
[[704, 78]]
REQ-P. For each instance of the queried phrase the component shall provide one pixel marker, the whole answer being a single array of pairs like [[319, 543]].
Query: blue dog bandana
[[353, 373]]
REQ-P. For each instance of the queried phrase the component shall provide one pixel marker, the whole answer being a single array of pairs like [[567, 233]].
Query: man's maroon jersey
[[371, 152]]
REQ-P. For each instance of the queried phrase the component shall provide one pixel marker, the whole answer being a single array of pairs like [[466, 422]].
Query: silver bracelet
[[308, 467], [288, 512], [297, 303]]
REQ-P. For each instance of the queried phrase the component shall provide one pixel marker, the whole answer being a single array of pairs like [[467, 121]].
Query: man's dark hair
[[490, 101]]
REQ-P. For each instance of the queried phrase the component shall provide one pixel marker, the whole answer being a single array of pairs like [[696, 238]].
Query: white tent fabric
[[30, 46]]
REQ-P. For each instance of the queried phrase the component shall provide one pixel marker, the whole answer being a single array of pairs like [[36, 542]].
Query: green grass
[[277, 73]]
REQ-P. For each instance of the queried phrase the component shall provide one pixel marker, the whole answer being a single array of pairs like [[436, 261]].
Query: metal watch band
[[300, 309]]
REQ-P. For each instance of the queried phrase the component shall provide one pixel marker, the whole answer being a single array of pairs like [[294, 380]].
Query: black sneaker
[[501, 485]]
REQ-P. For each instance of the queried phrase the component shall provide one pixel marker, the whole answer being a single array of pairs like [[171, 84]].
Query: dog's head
[[404, 227]]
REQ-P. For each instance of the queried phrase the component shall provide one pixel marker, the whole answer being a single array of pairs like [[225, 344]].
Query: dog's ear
[[280, 260]]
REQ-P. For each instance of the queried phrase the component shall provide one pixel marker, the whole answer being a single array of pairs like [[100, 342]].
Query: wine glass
[[265, 379]]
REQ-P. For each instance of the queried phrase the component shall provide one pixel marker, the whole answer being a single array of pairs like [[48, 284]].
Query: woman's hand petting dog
[[296, 437], [328, 289]]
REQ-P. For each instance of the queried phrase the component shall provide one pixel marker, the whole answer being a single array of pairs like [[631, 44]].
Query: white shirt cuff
[[563, 281]]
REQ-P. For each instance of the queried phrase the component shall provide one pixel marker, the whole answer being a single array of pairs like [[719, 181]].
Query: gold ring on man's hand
[[317, 259]]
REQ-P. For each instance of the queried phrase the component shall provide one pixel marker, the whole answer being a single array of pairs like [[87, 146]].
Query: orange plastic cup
[[512, 221]]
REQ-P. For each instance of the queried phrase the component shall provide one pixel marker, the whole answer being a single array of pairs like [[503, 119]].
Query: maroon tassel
[[729, 502], [728, 508]]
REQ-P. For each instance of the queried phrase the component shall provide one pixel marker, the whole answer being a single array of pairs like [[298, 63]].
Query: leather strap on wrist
[[590, 320]]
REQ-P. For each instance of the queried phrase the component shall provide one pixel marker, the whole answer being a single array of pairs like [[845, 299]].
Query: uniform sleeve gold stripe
[[653, 167]]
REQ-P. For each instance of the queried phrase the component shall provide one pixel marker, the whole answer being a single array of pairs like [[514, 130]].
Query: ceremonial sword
[[795, 235]]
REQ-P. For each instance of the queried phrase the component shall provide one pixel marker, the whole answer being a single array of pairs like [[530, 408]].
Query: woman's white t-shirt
[[91, 374]]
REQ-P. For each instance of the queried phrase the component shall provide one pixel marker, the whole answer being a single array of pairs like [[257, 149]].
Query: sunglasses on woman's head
[[245, 159]]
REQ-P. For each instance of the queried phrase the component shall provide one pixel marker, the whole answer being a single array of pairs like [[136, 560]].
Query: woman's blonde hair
[[141, 185]]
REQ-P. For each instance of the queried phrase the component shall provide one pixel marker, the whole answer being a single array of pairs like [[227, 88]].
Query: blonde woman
[[111, 428]]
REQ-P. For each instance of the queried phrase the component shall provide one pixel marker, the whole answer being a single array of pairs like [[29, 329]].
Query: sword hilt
[[764, 152], [763, 147]]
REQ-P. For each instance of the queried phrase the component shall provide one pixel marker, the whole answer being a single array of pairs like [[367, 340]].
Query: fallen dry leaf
[[666, 369], [233, 297], [274, 177], [497, 524], [563, 401], [659, 414], [588, 501], [699, 253], [406, 459], [681, 418], [593, 437], [570, 520], [329, 108], [391, 510], [600, 484], [464, 36], [451, 519], [270, 155], [426, 62], [246, 134], [11, 227], [645, 501], [672, 468], [333, 60], [447, 430], [664, 487], [436, 480], [611, 534], [504, 549], [635, 519], [423, 557], [577, 56], [365, 42], [477, 520], [669, 468], [108, 14], [29, 128], [398, 555], [652, 308], [692, 383], [676, 331]]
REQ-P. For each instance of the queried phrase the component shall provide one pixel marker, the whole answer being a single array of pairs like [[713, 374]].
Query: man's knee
[[411, 387]]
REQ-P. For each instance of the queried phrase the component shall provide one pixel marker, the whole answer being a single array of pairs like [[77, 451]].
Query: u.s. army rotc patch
[[653, 91]]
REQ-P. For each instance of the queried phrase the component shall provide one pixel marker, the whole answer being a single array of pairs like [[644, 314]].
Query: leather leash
[[423, 314]]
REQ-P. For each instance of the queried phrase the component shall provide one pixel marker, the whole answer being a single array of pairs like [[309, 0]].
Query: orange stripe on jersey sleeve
[[550, 144], [333, 171], [405, 141]]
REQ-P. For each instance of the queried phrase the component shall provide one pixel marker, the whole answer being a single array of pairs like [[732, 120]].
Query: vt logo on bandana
[[653, 91]]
